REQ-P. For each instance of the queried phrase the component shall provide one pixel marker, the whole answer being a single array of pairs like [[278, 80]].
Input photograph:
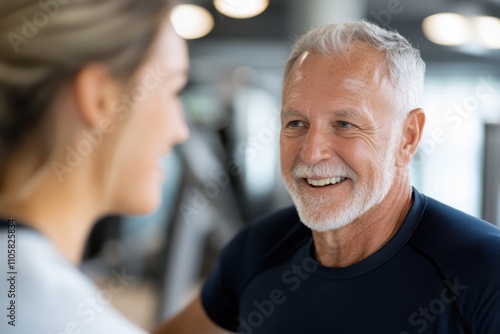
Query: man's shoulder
[[456, 225], [456, 239], [465, 250]]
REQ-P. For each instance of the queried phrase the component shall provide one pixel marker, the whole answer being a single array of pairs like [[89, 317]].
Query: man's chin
[[322, 223]]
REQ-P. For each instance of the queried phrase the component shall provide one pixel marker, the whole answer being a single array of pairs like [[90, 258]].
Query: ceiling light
[[488, 31], [191, 21], [241, 9], [447, 29]]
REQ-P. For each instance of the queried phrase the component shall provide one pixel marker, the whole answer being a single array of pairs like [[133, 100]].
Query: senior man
[[362, 251]]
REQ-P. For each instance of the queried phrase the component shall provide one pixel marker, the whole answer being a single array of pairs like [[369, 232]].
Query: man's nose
[[319, 144]]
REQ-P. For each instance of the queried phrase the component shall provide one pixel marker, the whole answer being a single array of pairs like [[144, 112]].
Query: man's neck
[[366, 235]]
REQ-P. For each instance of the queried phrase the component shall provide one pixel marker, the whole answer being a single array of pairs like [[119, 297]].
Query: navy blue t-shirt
[[440, 273]]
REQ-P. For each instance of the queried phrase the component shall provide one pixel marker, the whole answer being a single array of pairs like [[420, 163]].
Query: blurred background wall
[[227, 174]]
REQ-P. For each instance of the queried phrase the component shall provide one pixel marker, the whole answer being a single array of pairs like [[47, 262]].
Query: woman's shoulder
[[57, 297]]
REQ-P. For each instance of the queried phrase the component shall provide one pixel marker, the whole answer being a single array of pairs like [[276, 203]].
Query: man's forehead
[[356, 79], [360, 64], [325, 75]]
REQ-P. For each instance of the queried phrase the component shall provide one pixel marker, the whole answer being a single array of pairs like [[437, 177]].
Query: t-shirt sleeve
[[484, 296], [220, 292], [488, 319], [479, 279]]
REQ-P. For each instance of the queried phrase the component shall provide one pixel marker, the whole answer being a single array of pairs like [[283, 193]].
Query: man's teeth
[[325, 182]]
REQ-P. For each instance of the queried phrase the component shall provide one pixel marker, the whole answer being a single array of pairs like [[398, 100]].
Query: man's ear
[[95, 90], [413, 128]]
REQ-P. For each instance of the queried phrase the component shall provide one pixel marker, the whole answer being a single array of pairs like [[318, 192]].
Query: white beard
[[328, 213]]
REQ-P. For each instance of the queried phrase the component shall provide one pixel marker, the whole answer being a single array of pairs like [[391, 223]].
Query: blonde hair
[[45, 43]]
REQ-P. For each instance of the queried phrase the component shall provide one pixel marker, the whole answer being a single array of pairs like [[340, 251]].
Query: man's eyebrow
[[349, 113], [289, 112]]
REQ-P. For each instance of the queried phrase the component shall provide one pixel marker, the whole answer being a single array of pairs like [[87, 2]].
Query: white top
[[52, 296]]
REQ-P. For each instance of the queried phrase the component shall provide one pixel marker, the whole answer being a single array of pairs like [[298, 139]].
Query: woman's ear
[[413, 128], [95, 89]]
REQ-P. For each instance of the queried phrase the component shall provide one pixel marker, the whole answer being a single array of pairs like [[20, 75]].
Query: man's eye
[[295, 124], [345, 125]]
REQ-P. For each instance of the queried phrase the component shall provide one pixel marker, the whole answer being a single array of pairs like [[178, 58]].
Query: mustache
[[322, 170]]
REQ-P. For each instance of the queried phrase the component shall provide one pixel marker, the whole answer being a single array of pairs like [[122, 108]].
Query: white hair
[[404, 64]]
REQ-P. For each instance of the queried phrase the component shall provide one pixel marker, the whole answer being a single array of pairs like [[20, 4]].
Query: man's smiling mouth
[[325, 182]]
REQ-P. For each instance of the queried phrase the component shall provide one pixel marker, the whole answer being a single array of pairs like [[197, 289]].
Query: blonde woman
[[88, 107]]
